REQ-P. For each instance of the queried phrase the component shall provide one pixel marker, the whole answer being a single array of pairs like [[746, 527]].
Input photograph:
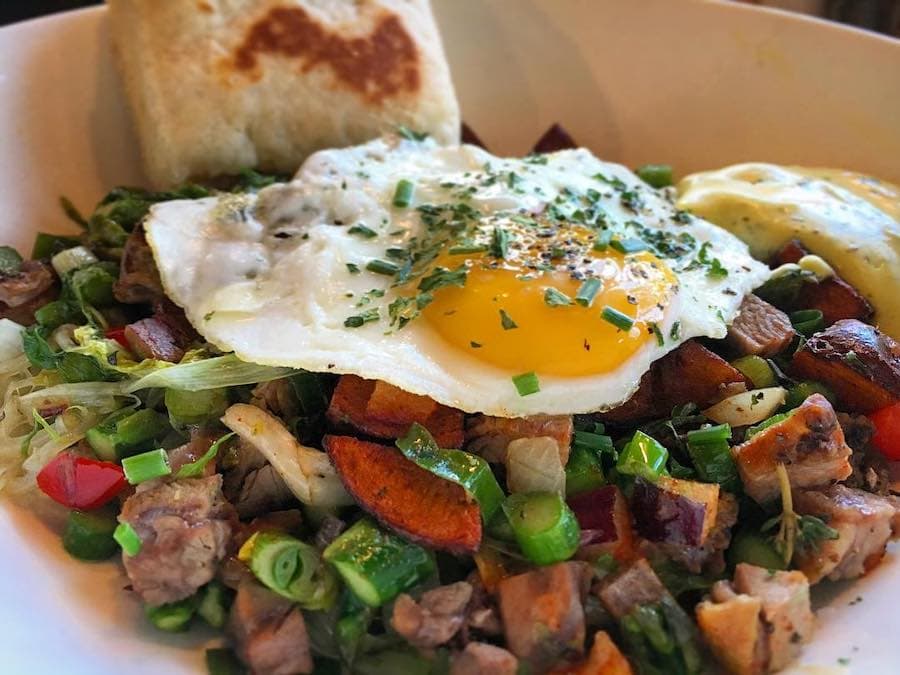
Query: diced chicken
[[785, 609], [674, 511], [21, 294], [480, 658], [381, 410], [637, 585], [543, 614], [139, 280], [857, 361], [185, 527], [490, 436], [760, 329], [710, 556], [690, 374], [810, 443], [733, 629], [269, 632], [435, 618], [863, 522], [603, 659], [153, 339]]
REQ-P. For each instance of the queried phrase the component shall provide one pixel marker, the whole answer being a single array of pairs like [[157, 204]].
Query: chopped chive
[[397, 253], [587, 291], [475, 345], [353, 268], [382, 267], [555, 298], [500, 243], [128, 539], [617, 318], [506, 321], [358, 320], [363, 231], [403, 194], [601, 243], [465, 249], [654, 328], [675, 331], [628, 246], [526, 384], [146, 466]]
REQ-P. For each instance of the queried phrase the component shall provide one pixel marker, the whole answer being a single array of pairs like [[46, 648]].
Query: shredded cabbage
[[214, 373], [111, 355]]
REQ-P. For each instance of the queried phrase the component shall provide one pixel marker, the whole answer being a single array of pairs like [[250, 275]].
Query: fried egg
[[547, 284]]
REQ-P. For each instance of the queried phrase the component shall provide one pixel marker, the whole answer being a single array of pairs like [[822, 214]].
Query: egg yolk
[[532, 335]]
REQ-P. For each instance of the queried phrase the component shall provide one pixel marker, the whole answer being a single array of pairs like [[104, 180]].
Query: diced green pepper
[[126, 432], [48, 245], [89, 534]]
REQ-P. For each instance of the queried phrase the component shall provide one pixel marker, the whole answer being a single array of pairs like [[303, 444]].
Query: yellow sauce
[[849, 219]]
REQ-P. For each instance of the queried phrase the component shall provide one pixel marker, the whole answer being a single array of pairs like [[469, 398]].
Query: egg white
[[266, 275]]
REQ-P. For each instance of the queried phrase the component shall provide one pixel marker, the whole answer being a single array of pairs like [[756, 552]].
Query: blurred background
[[878, 15]]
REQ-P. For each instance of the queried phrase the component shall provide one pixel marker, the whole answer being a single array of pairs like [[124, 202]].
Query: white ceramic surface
[[696, 84]]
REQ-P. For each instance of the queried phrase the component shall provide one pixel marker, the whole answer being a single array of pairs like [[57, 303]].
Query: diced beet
[[674, 511]]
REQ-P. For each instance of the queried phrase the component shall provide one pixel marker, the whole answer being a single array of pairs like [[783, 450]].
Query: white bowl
[[694, 84]]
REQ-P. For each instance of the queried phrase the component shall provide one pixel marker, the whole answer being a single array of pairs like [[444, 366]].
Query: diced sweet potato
[[810, 443], [674, 511], [735, 633], [605, 522], [554, 139], [490, 436], [603, 659], [384, 411], [834, 297], [857, 361], [405, 497], [690, 374]]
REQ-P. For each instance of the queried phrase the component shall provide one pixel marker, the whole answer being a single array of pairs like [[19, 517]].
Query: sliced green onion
[[617, 318], [595, 441], [506, 321], [212, 607], [89, 535], [711, 454], [146, 466], [765, 424], [93, 285], [467, 470], [173, 617], [382, 267], [223, 661], [125, 432], [403, 194], [72, 259], [363, 231], [757, 370], [628, 246], [584, 471], [556, 298], [196, 468], [643, 456], [378, 565], [10, 261], [544, 526], [803, 390], [195, 407], [808, 321], [130, 541], [214, 373], [655, 175], [526, 384], [290, 568], [588, 291]]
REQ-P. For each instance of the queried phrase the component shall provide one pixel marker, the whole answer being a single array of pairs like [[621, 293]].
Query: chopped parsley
[[442, 277], [628, 246], [506, 321], [353, 268], [382, 267], [358, 320], [714, 267], [675, 331], [363, 231], [526, 384], [410, 135], [500, 243]]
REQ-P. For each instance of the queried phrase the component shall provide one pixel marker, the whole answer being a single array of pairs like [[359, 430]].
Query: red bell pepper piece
[[80, 483], [887, 431], [117, 334]]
